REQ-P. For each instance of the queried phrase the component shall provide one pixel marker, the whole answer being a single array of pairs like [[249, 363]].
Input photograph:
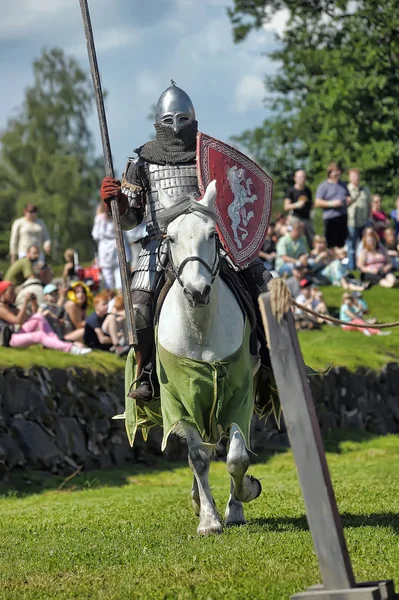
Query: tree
[[335, 97], [47, 154]]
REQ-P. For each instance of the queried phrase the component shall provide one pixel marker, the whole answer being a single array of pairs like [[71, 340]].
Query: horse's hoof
[[234, 514], [209, 527], [251, 489]]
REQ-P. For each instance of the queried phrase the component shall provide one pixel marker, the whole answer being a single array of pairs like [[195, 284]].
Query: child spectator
[[102, 330], [79, 298], [303, 320], [32, 330], [69, 272], [349, 313], [320, 255], [318, 303], [337, 274], [53, 307]]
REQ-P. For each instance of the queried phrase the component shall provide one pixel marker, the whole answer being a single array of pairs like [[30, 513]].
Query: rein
[[213, 271]]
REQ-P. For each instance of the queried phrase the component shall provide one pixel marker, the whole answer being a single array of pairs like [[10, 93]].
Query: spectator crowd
[[69, 313], [83, 308], [359, 246]]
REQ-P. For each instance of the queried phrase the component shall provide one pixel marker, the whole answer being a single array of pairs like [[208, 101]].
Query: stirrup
[[144, 392]]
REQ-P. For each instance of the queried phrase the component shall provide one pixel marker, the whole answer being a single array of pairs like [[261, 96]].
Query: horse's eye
[[212, 235], [171, 240]]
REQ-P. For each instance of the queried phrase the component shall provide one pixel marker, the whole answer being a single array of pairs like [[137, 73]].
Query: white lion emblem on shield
[[236, 210]]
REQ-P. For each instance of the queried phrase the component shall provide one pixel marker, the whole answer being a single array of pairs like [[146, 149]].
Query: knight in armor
[[167, 162]]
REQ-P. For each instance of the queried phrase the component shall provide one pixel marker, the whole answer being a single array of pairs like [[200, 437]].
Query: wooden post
[[314, 478]]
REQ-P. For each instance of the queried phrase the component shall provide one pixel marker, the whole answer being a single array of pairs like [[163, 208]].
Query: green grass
[[131, 535], [351, 348], [37, 356], [329, 345]]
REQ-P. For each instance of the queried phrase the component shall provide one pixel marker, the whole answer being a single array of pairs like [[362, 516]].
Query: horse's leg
[[199, 460], [195, 498], [244, 488]]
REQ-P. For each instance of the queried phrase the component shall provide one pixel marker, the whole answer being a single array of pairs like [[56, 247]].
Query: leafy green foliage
[[47, 155], [334, 97], [131, 533]]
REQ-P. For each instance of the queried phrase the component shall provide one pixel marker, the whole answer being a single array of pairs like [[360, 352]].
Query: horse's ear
[[164, 199], [210, 195]]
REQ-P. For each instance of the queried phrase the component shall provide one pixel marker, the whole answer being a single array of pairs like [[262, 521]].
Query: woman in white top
[[104, 234], [28, 231]]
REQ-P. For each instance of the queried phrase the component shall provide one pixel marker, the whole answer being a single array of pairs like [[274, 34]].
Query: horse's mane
[[183, 205]]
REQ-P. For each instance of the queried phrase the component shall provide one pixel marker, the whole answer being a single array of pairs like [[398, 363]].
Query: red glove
[[110, 188]]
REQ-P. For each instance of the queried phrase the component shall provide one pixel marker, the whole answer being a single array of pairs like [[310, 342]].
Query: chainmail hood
[[170, 148]]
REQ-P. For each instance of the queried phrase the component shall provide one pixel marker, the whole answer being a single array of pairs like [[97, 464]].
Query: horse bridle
[[214, 270]]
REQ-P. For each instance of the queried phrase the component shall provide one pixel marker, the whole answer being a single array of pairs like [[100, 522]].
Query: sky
[[141, 45]]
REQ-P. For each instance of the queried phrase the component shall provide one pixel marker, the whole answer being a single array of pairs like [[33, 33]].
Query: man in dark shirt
[[298, 202]]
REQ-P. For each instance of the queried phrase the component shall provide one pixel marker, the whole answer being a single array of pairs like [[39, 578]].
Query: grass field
[[131, 534], [351, 348], [329, 345]]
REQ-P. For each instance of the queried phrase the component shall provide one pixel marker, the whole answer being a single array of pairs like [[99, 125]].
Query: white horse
[[201, 320]]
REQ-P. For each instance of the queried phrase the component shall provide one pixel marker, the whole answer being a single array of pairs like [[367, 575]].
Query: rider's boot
[[144, 351]]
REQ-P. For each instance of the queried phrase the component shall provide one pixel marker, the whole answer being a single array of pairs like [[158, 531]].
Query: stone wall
[[58, 420]]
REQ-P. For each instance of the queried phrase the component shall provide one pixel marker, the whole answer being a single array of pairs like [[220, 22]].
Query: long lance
[[109, 172]]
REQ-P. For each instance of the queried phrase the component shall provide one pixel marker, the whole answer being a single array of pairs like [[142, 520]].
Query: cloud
[[32, 16], [249, 93], [279, 22]]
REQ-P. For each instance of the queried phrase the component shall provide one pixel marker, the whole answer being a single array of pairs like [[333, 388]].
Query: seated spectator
[[52, 307], [268, 252], [291, 250], [395, 217], [379, 219], [22, 269], [118, 309], [294, 281], [32, 330], [79, 298], [320, 255], [102, 330], [391, 246], [338, 274], [349, 313], [34, 285], [303, 320], [69, 272], [318, 304], [373, 262], [280, 225]]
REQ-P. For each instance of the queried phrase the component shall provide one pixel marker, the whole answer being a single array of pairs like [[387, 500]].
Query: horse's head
[[193, 242]]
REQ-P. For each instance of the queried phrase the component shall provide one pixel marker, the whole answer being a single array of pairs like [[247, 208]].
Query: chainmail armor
[[170, 148]]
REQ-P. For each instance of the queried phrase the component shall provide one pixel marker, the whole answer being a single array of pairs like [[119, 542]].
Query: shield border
[[204, 143]]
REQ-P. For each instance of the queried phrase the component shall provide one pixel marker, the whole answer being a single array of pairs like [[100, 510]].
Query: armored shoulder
[[133, 188]]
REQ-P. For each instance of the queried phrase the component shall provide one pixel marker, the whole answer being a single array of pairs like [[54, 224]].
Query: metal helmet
[[174, 108]]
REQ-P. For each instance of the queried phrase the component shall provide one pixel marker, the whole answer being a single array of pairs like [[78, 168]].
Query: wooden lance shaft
[[109, 172]]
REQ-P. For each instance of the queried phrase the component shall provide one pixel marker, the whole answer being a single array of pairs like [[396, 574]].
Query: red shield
[[244, 197]]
